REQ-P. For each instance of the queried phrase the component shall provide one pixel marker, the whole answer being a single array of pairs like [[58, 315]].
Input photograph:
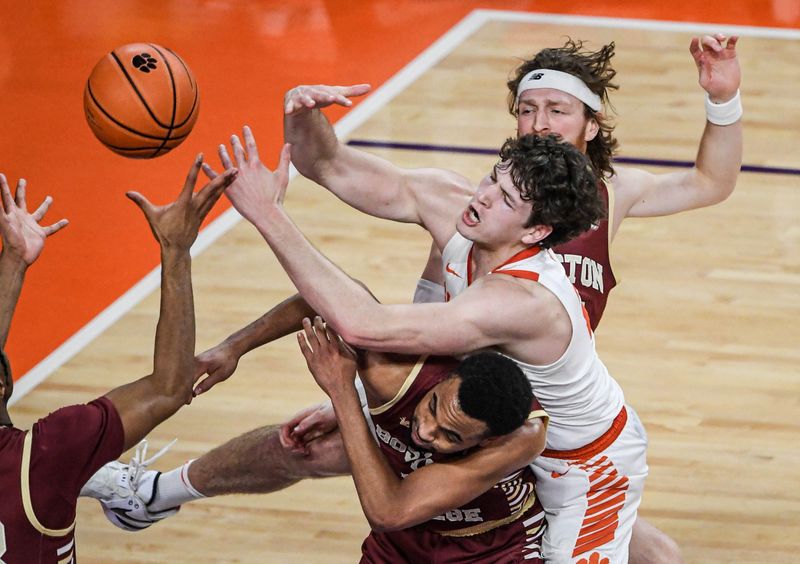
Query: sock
[[173, 489]]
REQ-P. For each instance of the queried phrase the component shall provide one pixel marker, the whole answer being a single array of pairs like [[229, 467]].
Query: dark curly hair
[[494, 390], [593, 68], [559, 182]]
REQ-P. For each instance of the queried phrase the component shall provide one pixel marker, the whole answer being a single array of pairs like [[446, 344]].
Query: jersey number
[[2, 542]]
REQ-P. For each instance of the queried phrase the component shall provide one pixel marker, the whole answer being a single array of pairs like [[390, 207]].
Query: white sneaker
[[125, 490]]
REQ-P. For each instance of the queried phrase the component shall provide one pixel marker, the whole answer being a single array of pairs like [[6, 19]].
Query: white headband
[[557, 80]]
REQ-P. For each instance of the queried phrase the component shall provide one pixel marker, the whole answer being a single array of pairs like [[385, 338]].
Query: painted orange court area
[[244, 55]]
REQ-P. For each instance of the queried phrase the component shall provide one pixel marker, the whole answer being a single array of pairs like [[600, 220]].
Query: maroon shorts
[[519, 541]]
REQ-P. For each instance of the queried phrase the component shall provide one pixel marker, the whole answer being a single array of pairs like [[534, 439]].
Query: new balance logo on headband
[[557, 80]]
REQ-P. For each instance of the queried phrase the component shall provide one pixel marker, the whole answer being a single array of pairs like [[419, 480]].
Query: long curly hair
[[558, 179], [592, 67]]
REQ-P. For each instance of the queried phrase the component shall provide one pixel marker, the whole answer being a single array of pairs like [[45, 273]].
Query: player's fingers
[[19, 195], [209, 172], [212, 191], [42, 209], [305, 347], [285, 437], [8, 201], [312, 435], [56, 227], [333, 335], [250, 143], [143, 203], [711, 43], [694, 46], [321, 330], [731, 45], [191, 177], [224, 157], [284, 162], [238, 151], [313, 338], [307, 100], [355, 89], [205, 385]]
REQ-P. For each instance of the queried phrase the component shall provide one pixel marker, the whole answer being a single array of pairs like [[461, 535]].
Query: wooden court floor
[[699, 332]]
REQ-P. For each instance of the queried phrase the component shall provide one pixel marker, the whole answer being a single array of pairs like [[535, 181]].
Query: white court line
[[625, 23], [372, 104]]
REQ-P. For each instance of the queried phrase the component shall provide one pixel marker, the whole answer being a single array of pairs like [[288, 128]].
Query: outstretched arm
[[258, 195], [368, 183], [719, 156], [220, 362], [389, 502], [145, 403], [23, 241]]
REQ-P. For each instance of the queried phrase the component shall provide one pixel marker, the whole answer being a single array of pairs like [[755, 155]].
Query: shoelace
[[138, 464]]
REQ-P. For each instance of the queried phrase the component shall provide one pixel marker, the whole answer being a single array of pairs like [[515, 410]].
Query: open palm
[[21, 232]]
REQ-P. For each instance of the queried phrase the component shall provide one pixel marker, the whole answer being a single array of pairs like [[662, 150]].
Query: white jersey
[[576, 390]]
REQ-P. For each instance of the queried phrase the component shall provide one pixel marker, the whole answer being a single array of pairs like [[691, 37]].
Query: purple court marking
[[622, 160]]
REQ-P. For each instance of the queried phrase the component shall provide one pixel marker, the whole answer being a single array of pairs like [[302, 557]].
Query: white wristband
[[726, 113]]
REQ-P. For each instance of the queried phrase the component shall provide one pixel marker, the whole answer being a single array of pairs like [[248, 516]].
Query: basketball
[[141, 100]]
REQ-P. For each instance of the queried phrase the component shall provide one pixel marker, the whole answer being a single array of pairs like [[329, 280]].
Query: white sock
[[173, 489]]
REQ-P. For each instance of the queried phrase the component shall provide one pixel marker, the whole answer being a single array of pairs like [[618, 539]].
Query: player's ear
[[592, 129], [535, 234]]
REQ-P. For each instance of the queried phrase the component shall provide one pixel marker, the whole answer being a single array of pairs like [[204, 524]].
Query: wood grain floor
[[700, 333]]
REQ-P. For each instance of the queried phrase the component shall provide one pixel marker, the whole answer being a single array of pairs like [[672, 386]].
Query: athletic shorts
[[590, 495]]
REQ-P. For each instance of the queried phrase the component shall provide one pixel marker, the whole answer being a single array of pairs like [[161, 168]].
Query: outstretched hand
[[717, 65], [219, 363], [257, 189], [23, 237], [304, 97], [329, 359], [177, 224]]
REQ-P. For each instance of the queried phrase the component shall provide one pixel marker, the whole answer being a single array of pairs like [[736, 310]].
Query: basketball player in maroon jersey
[[43, 470], [448, 479], [636, 193]]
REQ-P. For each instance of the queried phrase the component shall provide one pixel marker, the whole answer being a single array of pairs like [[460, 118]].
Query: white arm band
[[726, 113]]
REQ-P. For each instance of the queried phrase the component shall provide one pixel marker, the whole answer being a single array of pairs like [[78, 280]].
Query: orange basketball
[[141, 100]]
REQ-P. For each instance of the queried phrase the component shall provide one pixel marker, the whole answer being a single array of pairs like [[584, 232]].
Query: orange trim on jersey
[[596, 446], [527, 274], [522, 255]]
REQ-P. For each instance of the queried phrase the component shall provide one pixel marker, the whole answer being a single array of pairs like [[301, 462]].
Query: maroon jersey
[[42, 472], [505, 502], [587, 263]]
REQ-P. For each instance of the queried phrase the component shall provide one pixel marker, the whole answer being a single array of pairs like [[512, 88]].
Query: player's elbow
[[714, 189], [386, 520], [176, 392]]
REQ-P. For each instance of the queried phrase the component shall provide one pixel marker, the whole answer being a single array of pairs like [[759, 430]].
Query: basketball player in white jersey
[[506, 291]]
